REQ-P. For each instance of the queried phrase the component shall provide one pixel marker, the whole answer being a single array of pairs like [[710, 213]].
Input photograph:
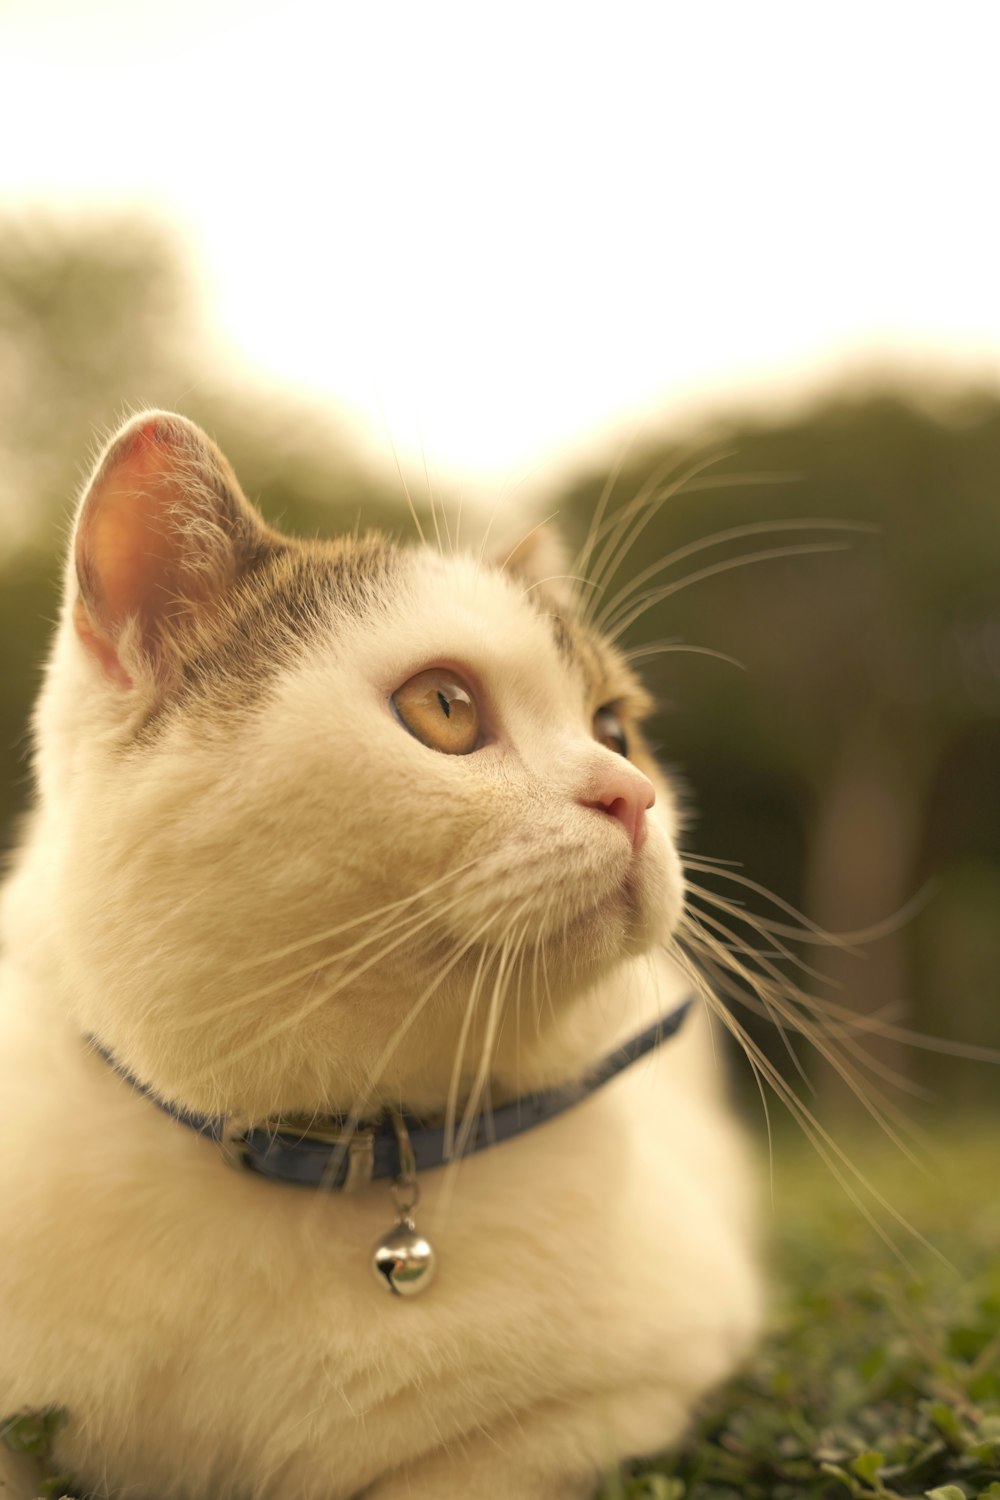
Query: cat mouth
[[621, 902], [569, 899]]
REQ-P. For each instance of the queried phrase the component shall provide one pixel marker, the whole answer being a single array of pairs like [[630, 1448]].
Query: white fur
[[213, 1335]]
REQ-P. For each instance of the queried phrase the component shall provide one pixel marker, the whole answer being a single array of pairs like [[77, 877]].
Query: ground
[[880, 1376]]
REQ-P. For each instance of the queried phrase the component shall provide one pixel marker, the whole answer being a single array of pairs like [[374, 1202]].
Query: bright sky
[[510, 230]]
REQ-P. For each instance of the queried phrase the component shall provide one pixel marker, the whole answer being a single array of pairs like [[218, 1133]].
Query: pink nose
[[625, 794]]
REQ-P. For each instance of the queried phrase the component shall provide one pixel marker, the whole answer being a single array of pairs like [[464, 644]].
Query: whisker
[[844, 1171], [241, 1002], [809, 929], [714, 859], [648, 496], [481, 1078], [780, 997], [430, 498], [661, 648], [519, 544], [458, 523], [809, 932], [581, 563], [518, 991], [872, 1024], [750, 559], [287, 1023], [740, 914], [454, 1084], [718, 539], [875, 1026], [639, 511], [557, 578], [823, 1036], [322, 937], [545, 970], [628, 538], [694, 927], [422, 1000], [402, 480], [486, 534], [368, 1094]]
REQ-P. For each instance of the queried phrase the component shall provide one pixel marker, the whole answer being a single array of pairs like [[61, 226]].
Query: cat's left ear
[[163, 531], [542, 562]]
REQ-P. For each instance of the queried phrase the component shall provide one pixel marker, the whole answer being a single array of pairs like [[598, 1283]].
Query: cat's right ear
[[540, 561], [162, 532]]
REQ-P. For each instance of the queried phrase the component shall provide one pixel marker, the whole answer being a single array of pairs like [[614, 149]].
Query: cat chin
[[556, 891], [640, 911]]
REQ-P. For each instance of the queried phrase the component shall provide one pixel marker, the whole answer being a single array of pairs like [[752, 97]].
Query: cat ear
[[162, 532], [542, 562]]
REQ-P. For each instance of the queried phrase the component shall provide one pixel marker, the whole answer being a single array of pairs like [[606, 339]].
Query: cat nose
[[626, 794]]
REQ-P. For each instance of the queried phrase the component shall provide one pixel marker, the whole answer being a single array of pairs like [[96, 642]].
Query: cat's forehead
[[461, 603], [371, 606]]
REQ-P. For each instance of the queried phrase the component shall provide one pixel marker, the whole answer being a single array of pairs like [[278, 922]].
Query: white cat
[[324, 828]]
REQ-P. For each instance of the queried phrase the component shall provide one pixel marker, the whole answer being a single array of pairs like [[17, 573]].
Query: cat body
[[268, 884]]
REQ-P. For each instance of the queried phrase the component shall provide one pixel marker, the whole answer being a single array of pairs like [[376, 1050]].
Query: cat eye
[[438, 710], [608, 731]]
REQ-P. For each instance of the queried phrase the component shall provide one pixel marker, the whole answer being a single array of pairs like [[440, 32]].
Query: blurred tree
[[855, 759], [815, 768], [100, 317], [90, 315], [97, 318]]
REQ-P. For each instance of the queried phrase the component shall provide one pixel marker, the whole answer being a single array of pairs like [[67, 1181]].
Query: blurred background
[[521, 258]]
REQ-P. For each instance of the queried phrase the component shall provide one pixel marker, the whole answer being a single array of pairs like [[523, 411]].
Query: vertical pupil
[[445, 705]]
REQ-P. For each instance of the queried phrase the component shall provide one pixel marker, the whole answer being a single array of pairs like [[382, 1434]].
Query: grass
[[880, 1376]]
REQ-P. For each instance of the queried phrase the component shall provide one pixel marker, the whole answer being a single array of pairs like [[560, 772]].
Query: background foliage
[[880, 1377], [853, 766], [850, 768]]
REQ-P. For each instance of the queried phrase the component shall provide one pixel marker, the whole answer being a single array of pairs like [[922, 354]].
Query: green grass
[[880, 1375]]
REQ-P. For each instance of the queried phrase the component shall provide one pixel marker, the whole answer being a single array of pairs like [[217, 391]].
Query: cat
[[330, 828]]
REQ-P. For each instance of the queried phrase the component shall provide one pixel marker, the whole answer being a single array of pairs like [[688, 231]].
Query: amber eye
[[439, 710], [608, 731]]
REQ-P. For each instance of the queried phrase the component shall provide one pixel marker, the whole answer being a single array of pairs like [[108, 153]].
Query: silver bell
[[403, 1261]]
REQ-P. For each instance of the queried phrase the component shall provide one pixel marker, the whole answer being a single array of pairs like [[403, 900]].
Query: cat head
[[316, 815]]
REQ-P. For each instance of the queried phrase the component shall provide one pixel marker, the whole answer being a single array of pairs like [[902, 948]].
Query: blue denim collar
[[339, 1153]]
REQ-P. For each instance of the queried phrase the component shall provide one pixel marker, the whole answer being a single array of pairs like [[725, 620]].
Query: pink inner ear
[[126, 545], [130, 541]]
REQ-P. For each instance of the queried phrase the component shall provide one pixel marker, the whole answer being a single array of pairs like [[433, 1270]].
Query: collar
[[340, 1153]]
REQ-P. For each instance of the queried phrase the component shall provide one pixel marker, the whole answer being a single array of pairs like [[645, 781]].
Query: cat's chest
[[215, 1312]]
